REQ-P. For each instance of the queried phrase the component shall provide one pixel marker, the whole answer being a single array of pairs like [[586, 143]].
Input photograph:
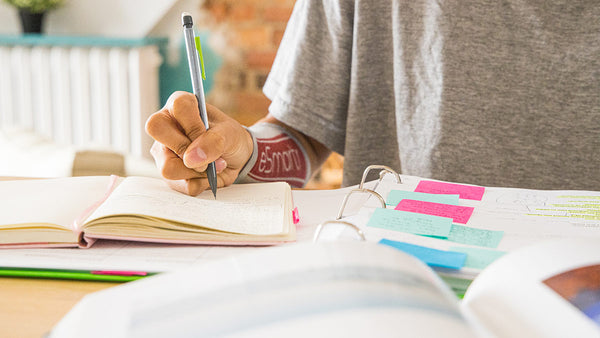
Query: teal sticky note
[[410, 222], [473, 236], [478, 258], [395, 196], [432, 257]]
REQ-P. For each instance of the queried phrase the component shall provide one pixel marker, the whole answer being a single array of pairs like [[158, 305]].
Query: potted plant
[[31, 12]]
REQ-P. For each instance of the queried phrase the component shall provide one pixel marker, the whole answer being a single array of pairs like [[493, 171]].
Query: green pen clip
[[199, 49]]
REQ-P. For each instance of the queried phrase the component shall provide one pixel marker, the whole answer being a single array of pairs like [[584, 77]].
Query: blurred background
[[76, 89]]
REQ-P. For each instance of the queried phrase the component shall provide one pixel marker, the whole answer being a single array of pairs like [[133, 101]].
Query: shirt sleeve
[[310, 78]]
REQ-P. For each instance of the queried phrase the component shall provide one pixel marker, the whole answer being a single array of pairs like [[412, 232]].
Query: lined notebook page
[[256, 209]]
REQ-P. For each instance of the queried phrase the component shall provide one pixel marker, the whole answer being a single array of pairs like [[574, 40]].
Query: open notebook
[[75, 211]]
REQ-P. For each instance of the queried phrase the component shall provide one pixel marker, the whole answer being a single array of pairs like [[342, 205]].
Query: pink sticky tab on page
[[295, 215], [469, 192], [459, 214]]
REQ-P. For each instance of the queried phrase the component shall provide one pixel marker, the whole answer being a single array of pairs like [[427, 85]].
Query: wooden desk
[[31, 307]]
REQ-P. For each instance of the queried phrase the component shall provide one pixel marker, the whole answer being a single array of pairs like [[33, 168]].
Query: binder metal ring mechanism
[[361, 189]]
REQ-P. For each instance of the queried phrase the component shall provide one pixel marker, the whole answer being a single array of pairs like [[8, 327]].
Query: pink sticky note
[[295, 215], [459, 214], [469, 192]]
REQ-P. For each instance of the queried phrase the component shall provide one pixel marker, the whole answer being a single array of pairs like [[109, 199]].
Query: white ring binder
[[345, 201], [322, 225], [384, 170]]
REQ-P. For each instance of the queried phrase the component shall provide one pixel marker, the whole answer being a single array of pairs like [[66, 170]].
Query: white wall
[[9, 23], [114, 18]]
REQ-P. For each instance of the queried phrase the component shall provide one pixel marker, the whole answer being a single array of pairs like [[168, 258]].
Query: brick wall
[[246, 34]]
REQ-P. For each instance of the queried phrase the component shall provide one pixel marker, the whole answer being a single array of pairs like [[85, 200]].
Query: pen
[[192, 54]]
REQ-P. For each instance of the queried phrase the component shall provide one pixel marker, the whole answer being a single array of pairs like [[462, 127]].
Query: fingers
[[186, 180], [195, 186], [162, 127], [192, 187], [170, 165], [177, 122], [183, 107], [227, 177], [184, 148], [207, 148], [215, 114]]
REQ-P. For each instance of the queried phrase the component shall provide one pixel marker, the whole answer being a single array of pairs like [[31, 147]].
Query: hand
[[183, 147]]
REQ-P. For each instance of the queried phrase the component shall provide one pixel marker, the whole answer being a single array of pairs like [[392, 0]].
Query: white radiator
[[81, 96]]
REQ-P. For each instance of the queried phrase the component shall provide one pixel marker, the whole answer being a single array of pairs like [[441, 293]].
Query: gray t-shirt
[[496, 93]]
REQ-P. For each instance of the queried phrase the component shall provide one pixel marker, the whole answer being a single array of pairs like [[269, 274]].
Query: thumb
[[207, 147]]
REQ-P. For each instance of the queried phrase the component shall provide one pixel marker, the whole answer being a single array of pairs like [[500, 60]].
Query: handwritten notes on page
[[473, 236], [246, 209], [459, 214], [413, 223], [433, 226], [395, 196]]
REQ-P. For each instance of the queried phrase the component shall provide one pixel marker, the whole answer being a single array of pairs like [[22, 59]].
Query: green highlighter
[[104, 276]]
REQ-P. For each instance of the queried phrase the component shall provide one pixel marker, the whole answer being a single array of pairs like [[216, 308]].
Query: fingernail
[[220, 165], [196, 157]]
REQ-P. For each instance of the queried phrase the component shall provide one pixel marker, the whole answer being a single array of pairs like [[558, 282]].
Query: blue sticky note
[[478, 258], [395, 196], [432, 257], [411, 222]]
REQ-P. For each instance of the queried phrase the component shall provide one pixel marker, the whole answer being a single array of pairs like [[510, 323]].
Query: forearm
[[317, 152], [282, 153]]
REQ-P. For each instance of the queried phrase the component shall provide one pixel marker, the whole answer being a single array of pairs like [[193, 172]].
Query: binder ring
[[345, 201], [385, 169], [322, 225]]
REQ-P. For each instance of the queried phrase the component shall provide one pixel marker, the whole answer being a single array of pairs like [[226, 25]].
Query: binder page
[[318, 206], [487, 222], [528, 216], [341, 289], [107, 255]]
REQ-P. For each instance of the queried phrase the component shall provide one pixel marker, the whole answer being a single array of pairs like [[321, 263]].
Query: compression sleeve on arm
[[277, 156]]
